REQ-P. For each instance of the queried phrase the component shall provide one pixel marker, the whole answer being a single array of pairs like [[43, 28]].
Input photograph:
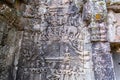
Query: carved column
[[102, 59]]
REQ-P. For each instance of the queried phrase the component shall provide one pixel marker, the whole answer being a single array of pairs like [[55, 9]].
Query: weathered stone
[[58, 39]]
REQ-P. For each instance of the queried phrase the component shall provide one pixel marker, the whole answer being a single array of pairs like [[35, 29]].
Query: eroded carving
[[56, 44]]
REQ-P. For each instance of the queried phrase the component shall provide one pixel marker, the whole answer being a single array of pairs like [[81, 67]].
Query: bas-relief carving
[[96, 12], [67, 71], [100, 45], [60, 42], [57, 46], [96, 15], [98, 31]]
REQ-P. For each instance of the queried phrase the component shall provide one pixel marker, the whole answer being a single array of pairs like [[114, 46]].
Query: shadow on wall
[[115, 50]]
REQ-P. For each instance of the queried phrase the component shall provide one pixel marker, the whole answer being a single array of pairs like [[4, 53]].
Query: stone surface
[[113, 24], [58, 39], [55, 45], [116, 60]]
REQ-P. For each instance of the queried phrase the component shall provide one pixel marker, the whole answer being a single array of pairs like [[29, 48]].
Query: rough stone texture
[[58, 39], [102, 61], [53, 43], [9, 48], [116, 60], [114, 26]]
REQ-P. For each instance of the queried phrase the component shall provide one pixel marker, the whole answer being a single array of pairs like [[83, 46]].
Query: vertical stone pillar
[[102, 59]]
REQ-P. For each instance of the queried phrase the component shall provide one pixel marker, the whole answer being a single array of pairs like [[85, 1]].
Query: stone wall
[[57, 40], [10, 41], [55, 43]]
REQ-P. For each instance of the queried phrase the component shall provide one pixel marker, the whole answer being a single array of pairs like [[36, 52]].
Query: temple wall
[[58, 39]]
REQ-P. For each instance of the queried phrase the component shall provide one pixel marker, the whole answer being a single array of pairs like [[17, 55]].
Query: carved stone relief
[[58, 46], [98, 31], [62, 40], [100, 45]]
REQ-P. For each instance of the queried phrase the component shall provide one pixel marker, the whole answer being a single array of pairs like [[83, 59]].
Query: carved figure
[[66, 57], [74, 74], [67, 73], [62, 73]]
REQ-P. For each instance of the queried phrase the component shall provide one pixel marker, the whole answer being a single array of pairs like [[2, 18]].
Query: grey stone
[[57, 40]]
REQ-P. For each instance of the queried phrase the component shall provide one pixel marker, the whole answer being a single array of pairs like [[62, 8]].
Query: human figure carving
[[74, 74], [67, 73], [67, 57], [62, 72]]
